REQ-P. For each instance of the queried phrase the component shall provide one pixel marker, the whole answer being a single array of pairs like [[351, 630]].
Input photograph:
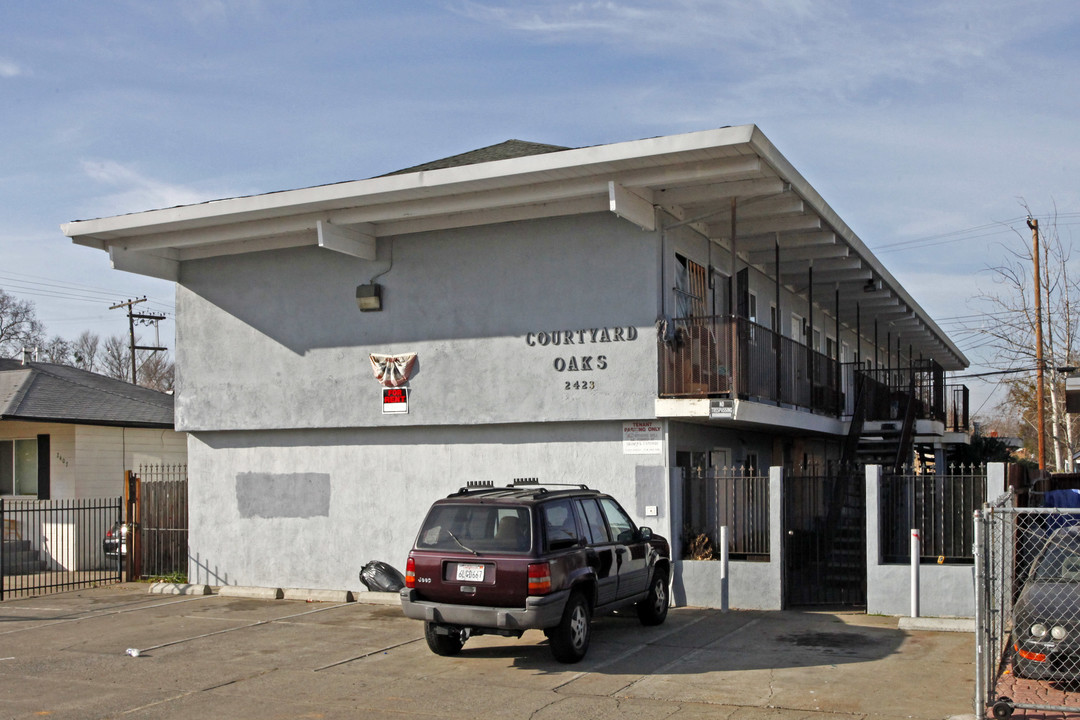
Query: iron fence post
[[3, 542], [980, 617]]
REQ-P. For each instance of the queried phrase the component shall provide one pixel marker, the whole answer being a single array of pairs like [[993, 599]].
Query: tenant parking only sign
[[642, 437], [395, 400]]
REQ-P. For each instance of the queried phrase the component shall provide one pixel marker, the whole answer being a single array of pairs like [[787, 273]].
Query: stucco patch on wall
[[283, 495]]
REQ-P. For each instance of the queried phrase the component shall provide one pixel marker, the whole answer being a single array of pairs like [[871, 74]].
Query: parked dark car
[[115, 542], [504, 560], [1046, 616]]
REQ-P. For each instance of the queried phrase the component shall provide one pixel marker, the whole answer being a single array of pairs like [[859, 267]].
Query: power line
[[986, 230]]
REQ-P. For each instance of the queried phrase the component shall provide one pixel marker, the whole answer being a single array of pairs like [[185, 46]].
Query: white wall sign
[[643, 437], [721, 408], [395, 400]]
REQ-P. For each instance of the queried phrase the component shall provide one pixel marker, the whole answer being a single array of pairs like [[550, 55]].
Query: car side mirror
[[645, 534]]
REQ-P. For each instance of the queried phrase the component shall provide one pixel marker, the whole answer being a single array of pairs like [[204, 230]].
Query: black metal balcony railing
[[734, 357], [957, 419]]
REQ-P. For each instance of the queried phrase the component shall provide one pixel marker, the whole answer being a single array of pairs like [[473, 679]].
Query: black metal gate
[[825, 539], [158, 512], [54, 545]]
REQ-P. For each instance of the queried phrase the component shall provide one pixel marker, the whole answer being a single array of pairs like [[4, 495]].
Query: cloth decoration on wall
[[393, 370]]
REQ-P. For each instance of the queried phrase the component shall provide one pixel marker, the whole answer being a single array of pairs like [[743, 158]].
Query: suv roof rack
[[521, 485], [526, 482]]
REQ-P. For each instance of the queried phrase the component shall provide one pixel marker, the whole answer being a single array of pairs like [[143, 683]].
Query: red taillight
[[410, 573], [539, 579]]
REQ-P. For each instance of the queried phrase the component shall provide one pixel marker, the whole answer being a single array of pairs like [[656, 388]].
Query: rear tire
[[445, 645], [653, 609], [570, 638]]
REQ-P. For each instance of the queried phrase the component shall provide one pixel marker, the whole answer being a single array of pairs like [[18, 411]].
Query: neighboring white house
[[70, 433], [619, 315]]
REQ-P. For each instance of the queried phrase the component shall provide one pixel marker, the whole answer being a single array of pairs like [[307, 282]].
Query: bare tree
[[85, 350], [156, 371], [116, 358], [1011, 332], [56, 350], [19, 325]]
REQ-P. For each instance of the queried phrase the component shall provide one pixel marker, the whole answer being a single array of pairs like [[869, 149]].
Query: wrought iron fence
[[941, 507], [732, 356], [1027, 610], [732, 497], [51, 545]]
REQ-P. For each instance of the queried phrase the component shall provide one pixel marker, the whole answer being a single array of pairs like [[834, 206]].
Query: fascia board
[[566, 164]]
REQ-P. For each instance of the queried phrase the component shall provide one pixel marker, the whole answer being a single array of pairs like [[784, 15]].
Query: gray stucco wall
[[308, 508], [499, 315]]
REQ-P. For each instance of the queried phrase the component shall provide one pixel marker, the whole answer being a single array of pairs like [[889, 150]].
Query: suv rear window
[[483, 528]]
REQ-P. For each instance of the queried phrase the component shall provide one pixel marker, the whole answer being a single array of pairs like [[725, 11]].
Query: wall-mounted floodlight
[[369, 297]]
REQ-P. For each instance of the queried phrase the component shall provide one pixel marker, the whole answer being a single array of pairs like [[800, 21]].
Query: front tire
[[444, 645], [570, 638], [653, 609]]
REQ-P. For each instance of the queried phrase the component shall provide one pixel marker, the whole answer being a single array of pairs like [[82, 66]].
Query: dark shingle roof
[[45, 392], [502, 151]]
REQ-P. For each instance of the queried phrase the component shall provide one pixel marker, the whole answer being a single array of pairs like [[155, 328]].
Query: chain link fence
[[1027, 609]]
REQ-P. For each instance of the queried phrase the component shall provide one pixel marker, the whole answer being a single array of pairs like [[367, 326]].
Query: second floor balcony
[[732, 357]]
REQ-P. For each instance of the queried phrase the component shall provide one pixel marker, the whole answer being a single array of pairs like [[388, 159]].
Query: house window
[[774, 323], [752, 308], [18, 467], [690, 287], [798, 328], [830, 347], [817, 340]]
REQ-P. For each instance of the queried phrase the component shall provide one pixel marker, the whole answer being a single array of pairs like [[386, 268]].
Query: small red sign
[[395, 400]]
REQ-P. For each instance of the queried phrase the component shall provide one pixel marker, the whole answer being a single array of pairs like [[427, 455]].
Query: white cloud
[[9, 69], [135, 192]]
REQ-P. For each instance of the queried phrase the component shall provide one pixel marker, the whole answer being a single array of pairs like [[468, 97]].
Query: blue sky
[[922, 123]]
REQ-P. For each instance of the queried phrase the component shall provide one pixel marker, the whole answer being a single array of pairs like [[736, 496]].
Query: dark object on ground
[[377, 576]]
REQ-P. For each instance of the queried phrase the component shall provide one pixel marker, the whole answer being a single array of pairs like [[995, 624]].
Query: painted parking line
[[94, 615], [139, 651]]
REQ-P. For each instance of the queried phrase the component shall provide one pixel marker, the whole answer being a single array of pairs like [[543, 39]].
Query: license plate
[[470, 573]]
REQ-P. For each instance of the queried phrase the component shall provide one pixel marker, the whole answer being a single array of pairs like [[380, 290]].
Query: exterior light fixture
[[369, 297]]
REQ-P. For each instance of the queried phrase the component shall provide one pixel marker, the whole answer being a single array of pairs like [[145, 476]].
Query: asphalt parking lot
[[65, 656]]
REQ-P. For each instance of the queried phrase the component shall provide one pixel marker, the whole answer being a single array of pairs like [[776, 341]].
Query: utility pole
[[132, 317], [1039, 409]]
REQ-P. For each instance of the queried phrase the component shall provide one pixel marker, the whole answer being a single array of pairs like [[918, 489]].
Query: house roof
[[694, 180], [44, 392], [502, 151]]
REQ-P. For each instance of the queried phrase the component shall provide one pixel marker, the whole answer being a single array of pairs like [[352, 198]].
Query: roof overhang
[[694, 179]]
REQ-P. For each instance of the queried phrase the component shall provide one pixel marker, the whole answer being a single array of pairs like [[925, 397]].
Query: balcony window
[[690, 288]]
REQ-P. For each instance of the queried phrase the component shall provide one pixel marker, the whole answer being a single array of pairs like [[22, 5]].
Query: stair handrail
[[903, 448]]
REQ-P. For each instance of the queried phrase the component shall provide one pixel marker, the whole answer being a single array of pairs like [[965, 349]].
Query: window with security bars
[[690, 288]]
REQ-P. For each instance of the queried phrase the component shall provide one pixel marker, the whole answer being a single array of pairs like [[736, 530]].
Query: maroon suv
[[503, 560]]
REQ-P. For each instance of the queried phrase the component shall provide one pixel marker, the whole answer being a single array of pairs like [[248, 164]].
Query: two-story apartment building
[[609, 315]]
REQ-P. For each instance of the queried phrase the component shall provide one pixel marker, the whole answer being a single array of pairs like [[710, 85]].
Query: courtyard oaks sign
[[582, 360]]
